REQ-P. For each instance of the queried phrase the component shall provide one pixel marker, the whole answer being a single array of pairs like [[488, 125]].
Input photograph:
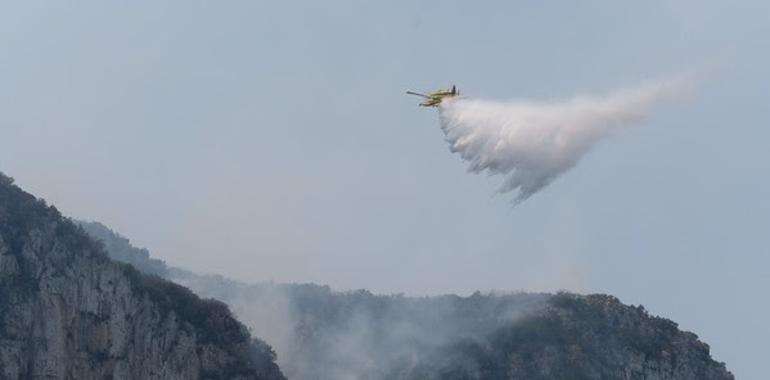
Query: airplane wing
[[417, 93]]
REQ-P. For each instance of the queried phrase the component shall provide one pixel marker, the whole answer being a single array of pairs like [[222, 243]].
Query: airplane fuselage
[[435, 98]]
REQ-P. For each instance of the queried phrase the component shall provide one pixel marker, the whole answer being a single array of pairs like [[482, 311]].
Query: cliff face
[[68, 312]]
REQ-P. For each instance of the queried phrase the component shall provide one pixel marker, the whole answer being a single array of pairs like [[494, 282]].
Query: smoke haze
[[319, 333], [530, 143]]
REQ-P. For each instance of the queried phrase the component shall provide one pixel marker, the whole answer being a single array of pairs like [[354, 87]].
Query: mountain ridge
[[68, 311], [328, 334]]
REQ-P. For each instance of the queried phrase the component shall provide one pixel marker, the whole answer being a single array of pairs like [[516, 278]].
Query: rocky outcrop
[[578, 337], [68, 312]]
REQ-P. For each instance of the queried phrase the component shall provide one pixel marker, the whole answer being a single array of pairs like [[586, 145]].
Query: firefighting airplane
[[436, 97]]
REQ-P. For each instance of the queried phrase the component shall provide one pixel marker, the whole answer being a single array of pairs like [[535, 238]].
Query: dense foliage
[[573, 337], [120, 249]]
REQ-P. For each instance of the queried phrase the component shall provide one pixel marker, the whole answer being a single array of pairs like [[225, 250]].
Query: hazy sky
[[274, 141]]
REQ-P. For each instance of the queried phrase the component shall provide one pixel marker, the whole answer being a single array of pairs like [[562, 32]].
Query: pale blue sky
[[273, 141]]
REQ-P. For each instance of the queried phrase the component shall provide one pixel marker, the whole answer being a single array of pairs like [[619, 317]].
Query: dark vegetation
[[19, 212], [573, 337], [121, 250]]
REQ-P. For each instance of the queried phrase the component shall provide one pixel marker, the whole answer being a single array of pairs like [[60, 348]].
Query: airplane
[[436, 97]]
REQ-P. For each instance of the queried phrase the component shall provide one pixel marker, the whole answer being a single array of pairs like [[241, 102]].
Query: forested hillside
[[324, 334]]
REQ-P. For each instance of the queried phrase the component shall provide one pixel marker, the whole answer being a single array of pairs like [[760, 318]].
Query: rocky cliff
[[69, 312]]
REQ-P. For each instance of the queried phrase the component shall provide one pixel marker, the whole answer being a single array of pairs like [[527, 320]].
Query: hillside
[[67, 311], [577, 337], [324, 334]]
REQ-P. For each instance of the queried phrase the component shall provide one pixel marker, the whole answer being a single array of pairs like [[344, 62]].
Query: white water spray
[[532, 143]]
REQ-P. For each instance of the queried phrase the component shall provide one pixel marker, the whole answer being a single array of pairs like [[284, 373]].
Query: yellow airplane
[[436, 97]]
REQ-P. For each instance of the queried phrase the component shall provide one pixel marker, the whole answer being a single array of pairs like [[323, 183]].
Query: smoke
[[530, 143], [322, 334]]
